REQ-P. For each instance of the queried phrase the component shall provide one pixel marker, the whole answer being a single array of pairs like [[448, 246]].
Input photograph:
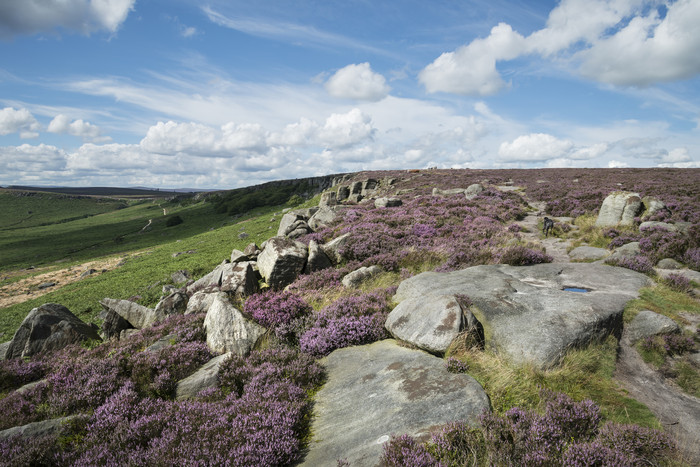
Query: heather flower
[[523, 256], [643, 445], [404, 450], [678, 282], [692, 258], [17, 372], [277, 311], [454, 365], [637, 263]]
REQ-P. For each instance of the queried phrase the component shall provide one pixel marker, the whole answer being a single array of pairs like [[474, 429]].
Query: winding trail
[[555, 247]]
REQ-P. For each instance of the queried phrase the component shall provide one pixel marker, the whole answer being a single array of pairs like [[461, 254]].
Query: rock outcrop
[[526, 312], [138, 316], [358, 276], [47, 328], [648, 324], [281, 261], [228, 330], [204, 378], [377, 390], [619, 208]]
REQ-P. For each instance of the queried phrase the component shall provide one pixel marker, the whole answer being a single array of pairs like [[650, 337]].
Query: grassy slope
[[104, 234], [38, 209], [142, 270]]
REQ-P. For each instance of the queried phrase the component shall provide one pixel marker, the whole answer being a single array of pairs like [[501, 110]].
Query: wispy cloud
[[290, 32]]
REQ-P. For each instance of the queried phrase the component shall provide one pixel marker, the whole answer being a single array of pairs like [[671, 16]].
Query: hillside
[[337, 302]]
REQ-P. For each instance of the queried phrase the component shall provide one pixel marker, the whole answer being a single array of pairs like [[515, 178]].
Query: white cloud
[[342, 130], [18, 121], [648, 49], [471, 69], [622, 42], [61, 124], [676, 155], [613, 164], [357, 82], [590, 152], [534, 147], [85, 16], [171, 138], [16, 160]]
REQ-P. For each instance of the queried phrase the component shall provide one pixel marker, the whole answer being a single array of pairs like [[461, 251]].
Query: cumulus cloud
[[61, 124], [649, 49], [614, 164], [676, 155], [18, 121], [471, 69], [85, 16], [342, 130], [534, 147], [622, 42], [357, 82], [28, 158]]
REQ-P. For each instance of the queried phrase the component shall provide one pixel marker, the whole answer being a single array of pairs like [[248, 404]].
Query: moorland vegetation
[[120, 396]]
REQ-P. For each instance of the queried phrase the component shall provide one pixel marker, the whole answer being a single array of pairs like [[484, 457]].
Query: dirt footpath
[[28, 288]]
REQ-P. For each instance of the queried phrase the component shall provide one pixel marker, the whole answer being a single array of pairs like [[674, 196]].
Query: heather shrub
[[275, 364], [454, 365], [352, 320], [83, 385], [639, 263], [593, 453], [17, 372], [156, 373], [21, 408], [404, 450], [642, 445], [457, 444], [678, 282], [34, 451], [692, 258], [277, 311], [523, 256]]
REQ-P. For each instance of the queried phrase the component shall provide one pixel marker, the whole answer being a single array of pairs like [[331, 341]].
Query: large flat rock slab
[[381, 389], [526, 313]]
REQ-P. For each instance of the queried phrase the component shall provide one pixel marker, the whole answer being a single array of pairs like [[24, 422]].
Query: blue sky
[[182, 93]]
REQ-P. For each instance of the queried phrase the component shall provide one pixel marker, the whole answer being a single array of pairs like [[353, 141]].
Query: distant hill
[[99, 191]]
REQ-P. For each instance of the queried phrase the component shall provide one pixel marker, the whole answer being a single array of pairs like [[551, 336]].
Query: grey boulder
[[355, 278], [473, 191], [431, 325], [526, 314], [317, 260], [588, 253], [385, 202], [228, 330], [204, 378], [619, 208], [648, 324], [37, 429], [201, 301], [334, 248], [377, 390], [173, 304], [47, 328], [138, 316], [281, 261]]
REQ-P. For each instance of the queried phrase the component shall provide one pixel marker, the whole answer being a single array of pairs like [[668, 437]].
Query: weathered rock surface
[[36, 429], [657, 225], [180, 276], [228, 330], [473, 191], [317, 258], [201, 301], [647, 324], [628, 249], [381, 389], [173, 304], [525, 313], [238, 256], [324, 217], [46, 328], [3, 349], [588, 253], [234, 278], [281, 261], [358, 276], [431, 325], [619, 208], [334, 247], [204, 378], [138, 316], [652, 205], [113, 324], [669, 263], [385, 202]]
